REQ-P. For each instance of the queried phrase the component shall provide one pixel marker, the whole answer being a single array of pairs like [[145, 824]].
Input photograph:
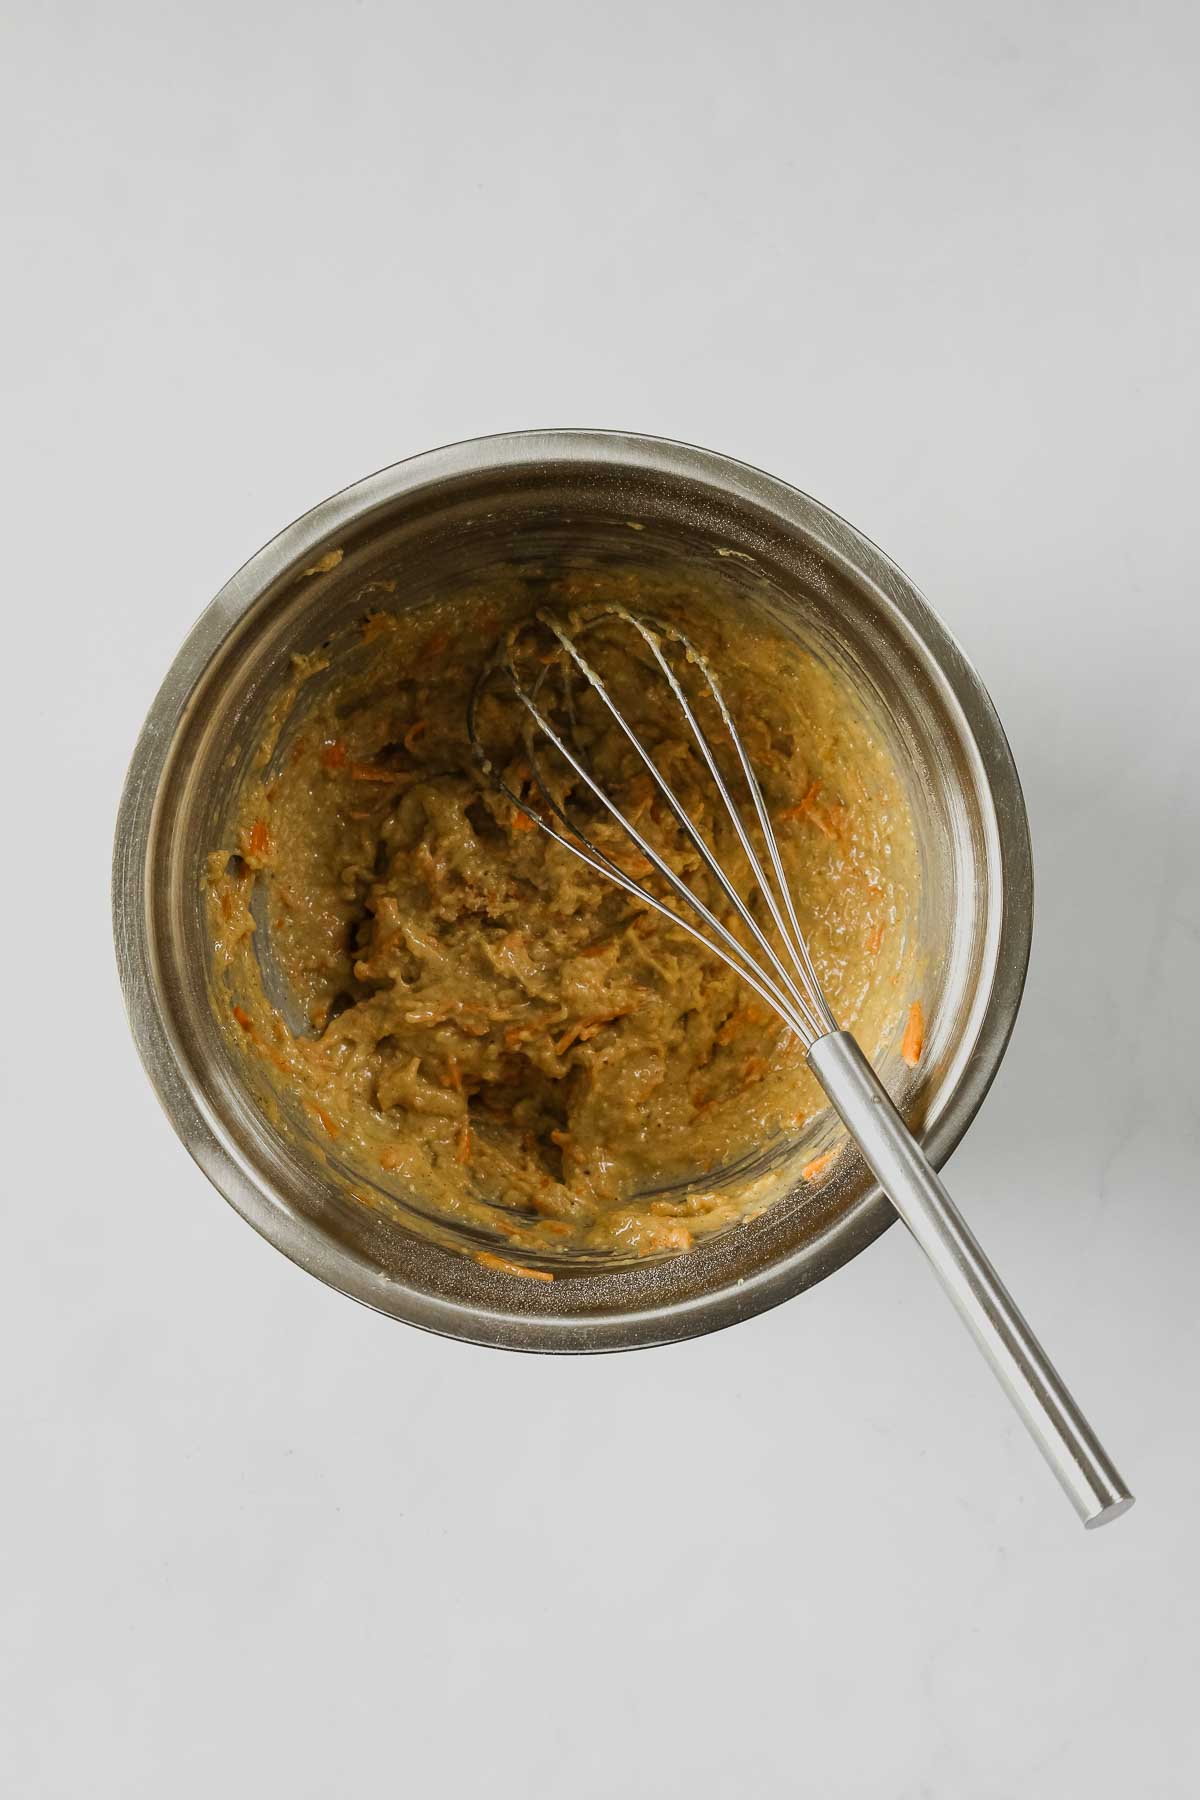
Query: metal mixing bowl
[[538, 500]]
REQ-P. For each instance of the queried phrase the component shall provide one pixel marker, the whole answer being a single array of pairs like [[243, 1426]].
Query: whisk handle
[[908, 1178]]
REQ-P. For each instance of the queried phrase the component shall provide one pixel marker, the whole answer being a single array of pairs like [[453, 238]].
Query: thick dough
[[496, 1035]]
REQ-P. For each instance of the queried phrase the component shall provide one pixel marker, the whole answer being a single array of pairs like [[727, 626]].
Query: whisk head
[[545, 669]]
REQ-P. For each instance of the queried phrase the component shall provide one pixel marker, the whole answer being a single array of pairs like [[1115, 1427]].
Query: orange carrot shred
[[333, 755], [368, 772], [504, 1267], [807, 808], [417, 729], [522, 822], [729, 1029], [319, 1113], [914, 1035], [259, 841], [243, 1018], [875, 938], [819, 1164]]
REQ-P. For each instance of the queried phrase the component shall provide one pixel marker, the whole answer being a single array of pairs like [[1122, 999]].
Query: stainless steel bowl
[[538, 498]]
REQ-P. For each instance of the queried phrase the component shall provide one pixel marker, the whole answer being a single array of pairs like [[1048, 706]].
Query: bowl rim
[[505, 1325]]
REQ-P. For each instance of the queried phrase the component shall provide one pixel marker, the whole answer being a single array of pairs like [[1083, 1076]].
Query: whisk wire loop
[[587, 850]]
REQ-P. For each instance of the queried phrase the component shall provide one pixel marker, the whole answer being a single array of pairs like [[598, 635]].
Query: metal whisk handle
[[1058, 1427]]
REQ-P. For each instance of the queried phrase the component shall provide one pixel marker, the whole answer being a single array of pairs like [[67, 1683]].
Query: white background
[[936, 264]]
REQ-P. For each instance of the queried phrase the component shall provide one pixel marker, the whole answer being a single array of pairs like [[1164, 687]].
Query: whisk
[[781, 973]]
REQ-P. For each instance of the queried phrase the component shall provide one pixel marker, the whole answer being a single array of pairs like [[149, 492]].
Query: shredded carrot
[[473, 1028], [807, 808], [914, 1035], [875, 938], [522, 822], [801, 809], [417, 729], [819, 1164], [259, 841], [634, 865], [368, 772], [738, 1021], [754, 1068], [463, 1152], [504, 1267], [586, 1029], [453, 1075], [318, 1112], [561, 1138], [597, 949], [333, 754], [243, 1018]]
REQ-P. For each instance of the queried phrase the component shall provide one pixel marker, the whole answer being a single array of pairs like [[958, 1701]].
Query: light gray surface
[[941, 270], [1078, 1459]]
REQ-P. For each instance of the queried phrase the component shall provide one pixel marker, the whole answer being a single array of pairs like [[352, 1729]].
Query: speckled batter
[[495, 1033]]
